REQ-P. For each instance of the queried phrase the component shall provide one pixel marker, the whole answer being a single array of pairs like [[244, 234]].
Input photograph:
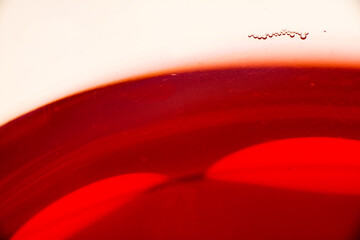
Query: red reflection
[[85, 206], [328, 165]]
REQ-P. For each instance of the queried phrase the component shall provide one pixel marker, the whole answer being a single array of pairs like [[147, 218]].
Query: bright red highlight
[[85, 206], [330, 165]]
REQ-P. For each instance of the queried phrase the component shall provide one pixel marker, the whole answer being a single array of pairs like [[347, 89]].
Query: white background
[[50, 49]]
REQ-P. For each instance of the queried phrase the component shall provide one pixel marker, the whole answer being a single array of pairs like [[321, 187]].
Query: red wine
[[242, 153]]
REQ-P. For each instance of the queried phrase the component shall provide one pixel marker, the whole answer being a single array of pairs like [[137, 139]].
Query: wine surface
[[242, 153]]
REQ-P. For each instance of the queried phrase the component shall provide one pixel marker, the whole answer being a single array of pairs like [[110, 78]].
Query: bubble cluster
[[283, 32]]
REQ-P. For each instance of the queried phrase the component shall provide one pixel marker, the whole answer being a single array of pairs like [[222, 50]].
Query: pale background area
[[50, 49]]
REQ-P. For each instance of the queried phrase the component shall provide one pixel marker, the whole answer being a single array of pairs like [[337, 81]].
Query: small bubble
[[303, 35], [292, 34]]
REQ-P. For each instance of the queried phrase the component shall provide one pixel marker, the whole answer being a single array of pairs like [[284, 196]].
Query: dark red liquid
[[191, 156]]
